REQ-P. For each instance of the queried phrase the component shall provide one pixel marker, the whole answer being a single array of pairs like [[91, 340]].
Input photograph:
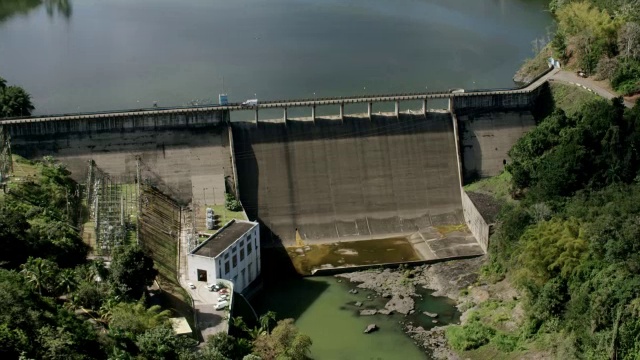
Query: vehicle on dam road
[[250, 103]]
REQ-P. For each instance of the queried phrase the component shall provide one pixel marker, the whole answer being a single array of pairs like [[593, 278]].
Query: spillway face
[[350, 180], [487, 138]]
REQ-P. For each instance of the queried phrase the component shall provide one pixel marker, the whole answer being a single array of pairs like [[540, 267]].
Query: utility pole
[[139, 212]]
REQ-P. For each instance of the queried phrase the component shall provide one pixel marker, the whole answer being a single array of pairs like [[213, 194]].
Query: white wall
[[195, 262], [247, 269]]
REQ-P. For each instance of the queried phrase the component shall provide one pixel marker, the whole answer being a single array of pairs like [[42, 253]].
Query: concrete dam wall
[[185, 164], [487, 138], [345, 181], [473, 103], [116, 122]]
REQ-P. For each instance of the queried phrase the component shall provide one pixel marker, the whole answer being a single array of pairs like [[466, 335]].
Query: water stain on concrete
[[308, 258]]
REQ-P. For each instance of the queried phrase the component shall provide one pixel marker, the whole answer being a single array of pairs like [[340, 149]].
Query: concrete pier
[[369, 107], [342, 112], [256, 118], [313, 113], [284, 117], [397, 112], [424, 107]]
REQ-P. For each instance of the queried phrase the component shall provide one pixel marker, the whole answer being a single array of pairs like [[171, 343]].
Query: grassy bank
[[570, 98]]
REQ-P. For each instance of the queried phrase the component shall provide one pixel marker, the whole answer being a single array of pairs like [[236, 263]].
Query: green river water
[[324, 309]]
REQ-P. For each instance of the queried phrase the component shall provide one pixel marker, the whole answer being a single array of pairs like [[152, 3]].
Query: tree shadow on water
[[285, 292], [11, 8]]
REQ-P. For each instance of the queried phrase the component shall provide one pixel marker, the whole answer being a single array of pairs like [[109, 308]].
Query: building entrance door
[[202, 275]]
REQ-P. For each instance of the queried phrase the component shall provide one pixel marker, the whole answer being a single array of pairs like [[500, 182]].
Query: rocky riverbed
[[399, 287]]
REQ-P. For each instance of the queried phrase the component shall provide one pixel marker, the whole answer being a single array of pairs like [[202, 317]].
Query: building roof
[[181, 326], [221, 240]]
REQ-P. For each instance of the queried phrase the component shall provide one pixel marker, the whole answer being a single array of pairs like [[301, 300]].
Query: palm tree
[[264, 322], [40, 273], [67, 280], [265, 319], [3, 84], [106, 310]]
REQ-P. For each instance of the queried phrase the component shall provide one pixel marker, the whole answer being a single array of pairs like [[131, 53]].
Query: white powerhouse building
[[232, 253]]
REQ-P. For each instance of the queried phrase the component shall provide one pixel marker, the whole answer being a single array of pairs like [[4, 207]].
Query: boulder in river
[[430, 314], [371, 328], [358, 303], [368, 312], [385, 312]]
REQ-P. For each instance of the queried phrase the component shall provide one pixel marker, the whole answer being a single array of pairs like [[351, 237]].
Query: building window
[[249, 237], [233, 249], [241, 243], [226, 256], [249, 248], [234, 261], [226, 267], [241, 254], [250, 267], [202, 275]]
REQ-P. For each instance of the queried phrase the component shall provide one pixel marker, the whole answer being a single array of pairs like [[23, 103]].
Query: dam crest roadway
[[284, 104]]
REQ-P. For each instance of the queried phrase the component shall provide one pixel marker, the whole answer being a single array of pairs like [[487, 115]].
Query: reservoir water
[[90, 55]]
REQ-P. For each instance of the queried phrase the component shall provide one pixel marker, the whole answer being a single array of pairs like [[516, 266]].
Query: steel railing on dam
[[270, 104]]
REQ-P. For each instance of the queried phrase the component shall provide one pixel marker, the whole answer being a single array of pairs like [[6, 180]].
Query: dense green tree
[[13, 238], [20, 314], [58, 241], [550, 249], [132, 319], [229, 346], [34, 326], [284, 342], [131, 272], [14, 101], [161, 343]]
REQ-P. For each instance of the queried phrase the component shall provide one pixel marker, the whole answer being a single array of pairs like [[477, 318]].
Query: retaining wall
[[475, 222]]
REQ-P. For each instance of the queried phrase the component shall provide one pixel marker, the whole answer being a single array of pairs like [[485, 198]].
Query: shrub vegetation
[[571, 243]]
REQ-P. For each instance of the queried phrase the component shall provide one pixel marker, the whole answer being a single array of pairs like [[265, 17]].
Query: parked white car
[[192, 286], [214, 287], [222, 305]]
